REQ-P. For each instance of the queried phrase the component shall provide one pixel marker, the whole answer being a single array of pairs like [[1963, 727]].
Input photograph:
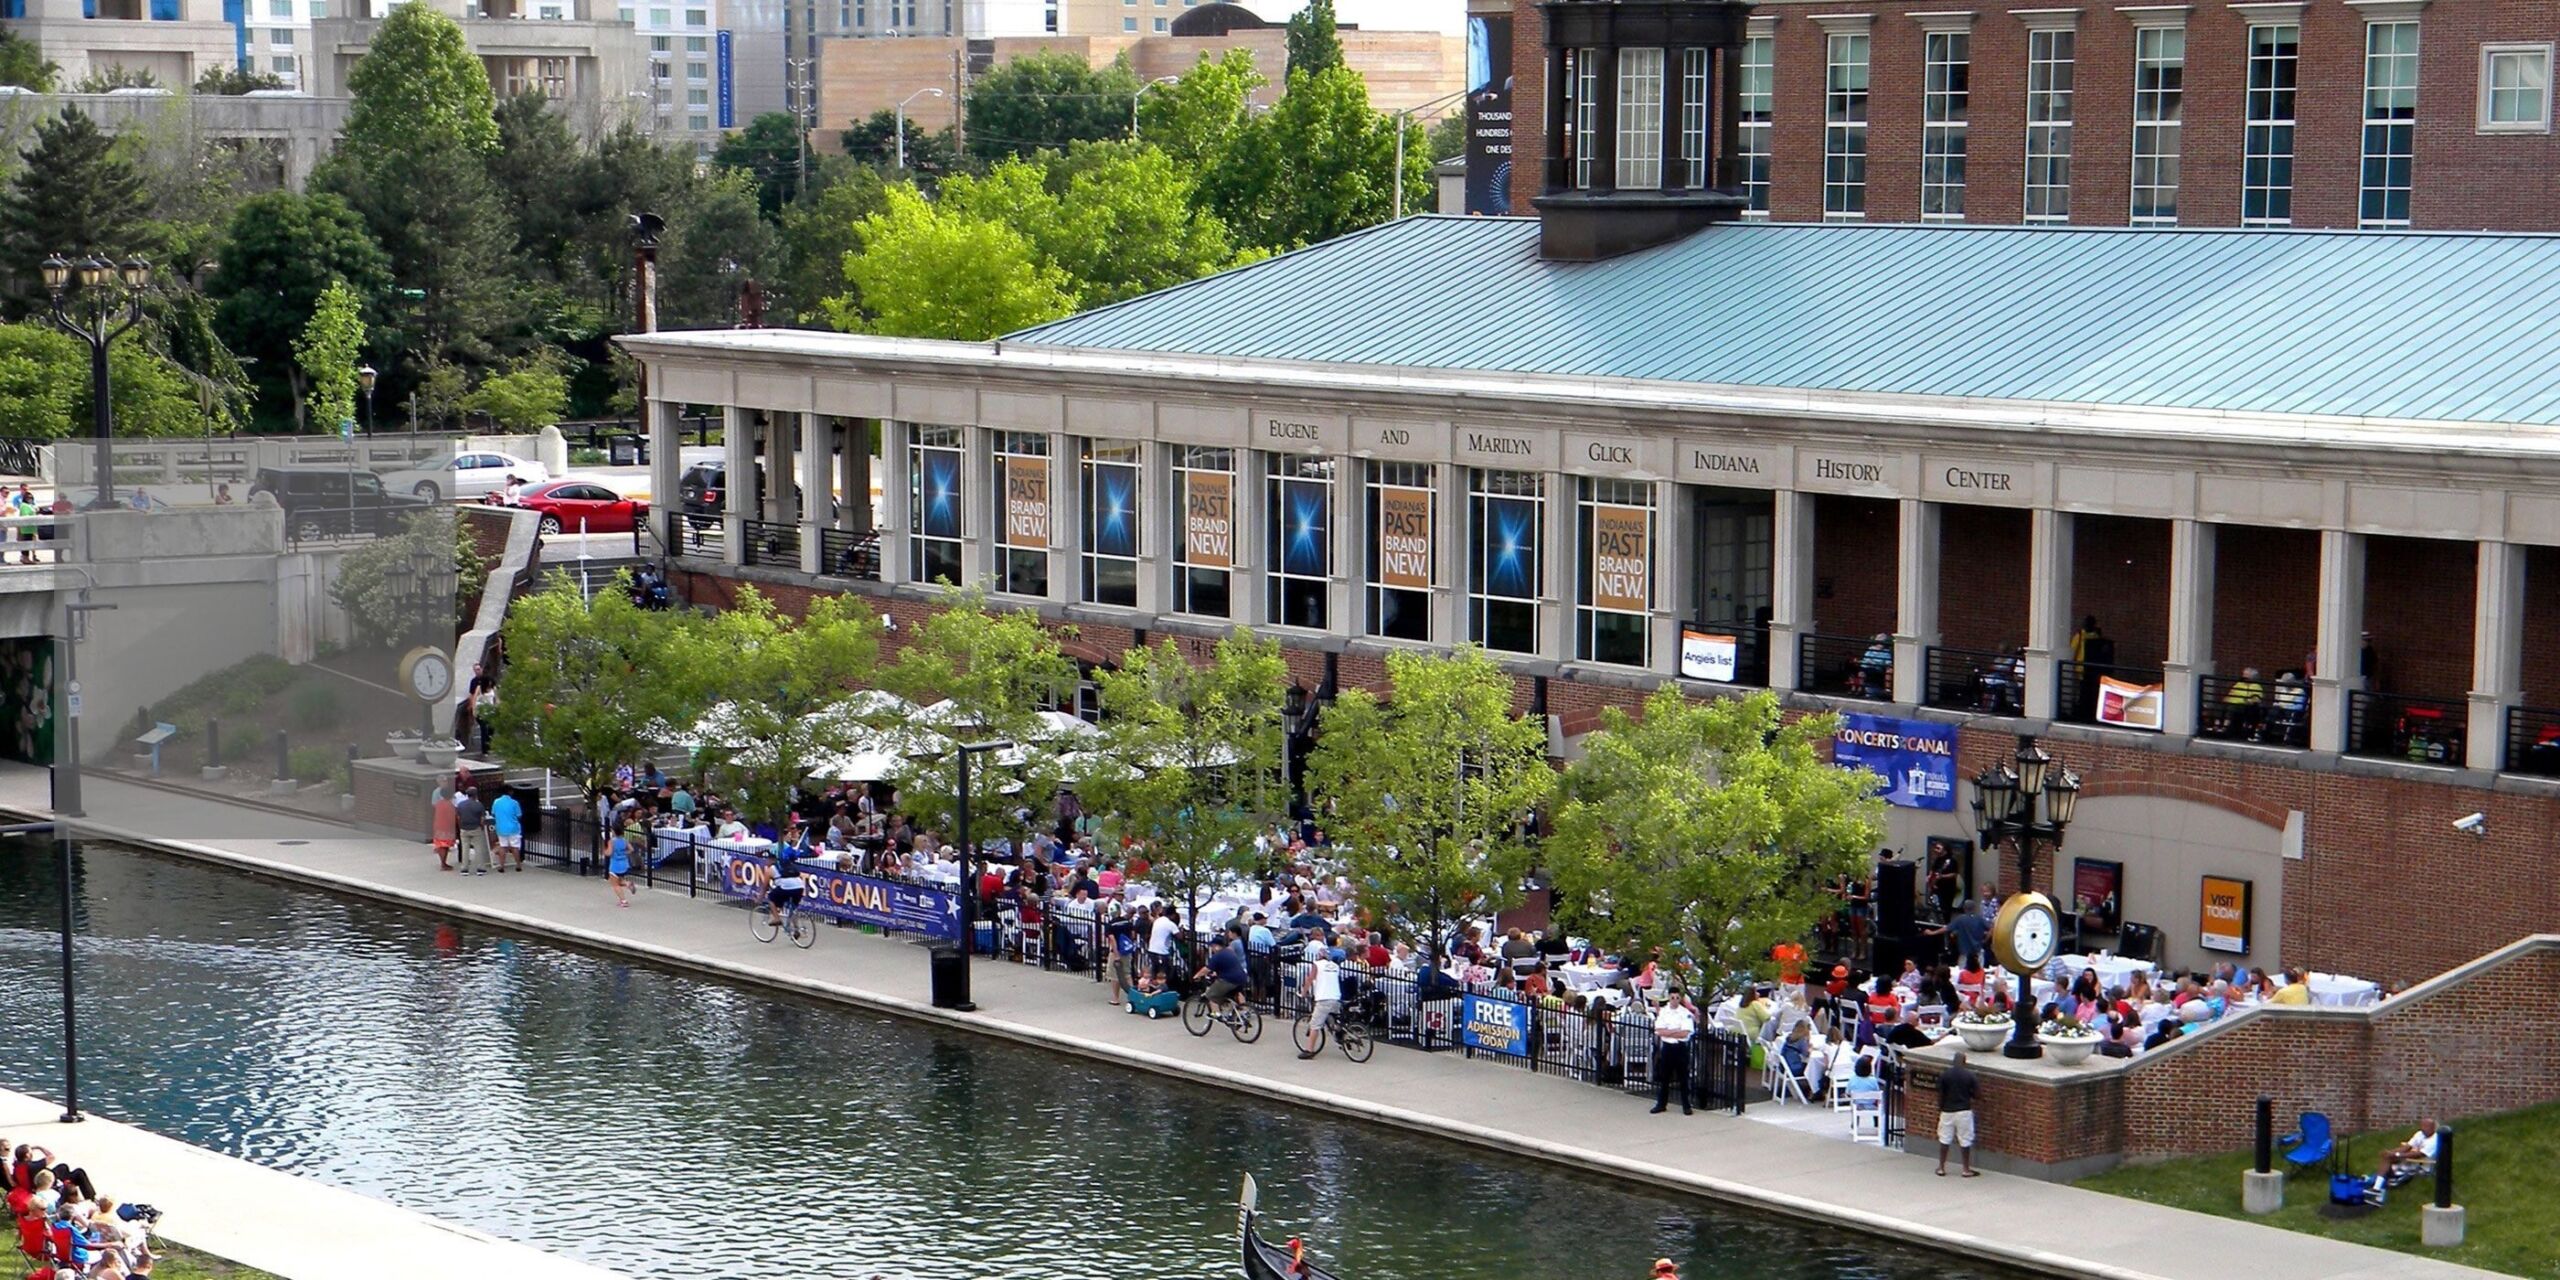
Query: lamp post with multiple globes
[[96, 300], [2004, 811]]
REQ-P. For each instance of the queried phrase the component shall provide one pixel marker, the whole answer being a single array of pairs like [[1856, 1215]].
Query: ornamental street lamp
[[902, 120], [366, 376], [422, 586], [968, 855], [2004, 810], [96, 301]]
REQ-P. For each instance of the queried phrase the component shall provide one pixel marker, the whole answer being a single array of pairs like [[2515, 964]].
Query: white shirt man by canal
[[1674, 1026]]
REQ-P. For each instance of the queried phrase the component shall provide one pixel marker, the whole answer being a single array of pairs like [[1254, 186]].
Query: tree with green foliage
[[330, 348], [114, 76], [1194, 118], [44, 387], [717, 240], [369, 586], [1195, 760], [1315, 44], [188, 337], [768, 152], [584, 680], [997, 670], [418, 85], [447, 237], [226, 80], [1447, 138], [817, 232], [524, 398], [1047, 101], [74, 195], [279, 253], [1429, 790], [1117, 219], [1710, 829], [781, 687], [1319, 164], [927, 272], [536, 170], [23, 64], [874, 142]]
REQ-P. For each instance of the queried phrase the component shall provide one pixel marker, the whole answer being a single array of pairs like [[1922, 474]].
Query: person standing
[[470, 823], [618, 865], [1324, 992], [1956, 1089], [1675, 1025], [506, 816], [1160, 935], [440, 829]]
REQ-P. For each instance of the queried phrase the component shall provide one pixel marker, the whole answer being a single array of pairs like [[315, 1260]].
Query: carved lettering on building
[[1995, 481], [1284, 429], [1486, 442], [1399, 436], [1621, 455], [1733, 463], [1853, 472]]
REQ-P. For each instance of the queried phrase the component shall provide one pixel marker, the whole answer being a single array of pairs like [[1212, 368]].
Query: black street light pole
[[366, 375], [2004, 809], [108, 302], [67, 804], [969, 854]]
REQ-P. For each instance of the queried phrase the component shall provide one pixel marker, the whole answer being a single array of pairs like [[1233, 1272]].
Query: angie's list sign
[[1208, 520], [1404, 537], [1621, 563], [1026, 502]]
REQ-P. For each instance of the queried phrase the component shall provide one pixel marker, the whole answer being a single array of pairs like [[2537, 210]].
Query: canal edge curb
[[1903, 1231]]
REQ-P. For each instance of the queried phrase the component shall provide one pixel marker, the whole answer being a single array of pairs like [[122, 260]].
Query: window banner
[[1208, 520], [1404, 537], [1709, 655], [1511, 548], [1307, 528], [842, 895], [941, 485], [1026, 503], [2132, 706], [1488, 115], [1621, 558], [1916, 759], [1115, 509], [1488, 1025]]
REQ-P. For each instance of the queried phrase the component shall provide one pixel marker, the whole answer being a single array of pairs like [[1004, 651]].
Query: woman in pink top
[[442, 829], [1109, 881]]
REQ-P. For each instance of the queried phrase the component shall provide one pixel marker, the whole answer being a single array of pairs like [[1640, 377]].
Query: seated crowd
[[66, 1230]]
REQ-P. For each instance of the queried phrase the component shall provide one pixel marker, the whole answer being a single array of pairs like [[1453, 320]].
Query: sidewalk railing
[[1843, 667], [773, 543], [2394, 726], [849, 553], [2273, 713], [2533, 741], [1974, 680]]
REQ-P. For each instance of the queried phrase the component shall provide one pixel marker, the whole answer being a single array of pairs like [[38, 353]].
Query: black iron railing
[[849, 553], [2247, 708], [2397, 726], [2080, 696], [772, 543], [1845, 666], [381, 518], [2533, 741], [1751, 647], [1975, 680]]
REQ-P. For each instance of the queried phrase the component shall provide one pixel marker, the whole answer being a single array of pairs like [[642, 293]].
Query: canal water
[[666, 1126]]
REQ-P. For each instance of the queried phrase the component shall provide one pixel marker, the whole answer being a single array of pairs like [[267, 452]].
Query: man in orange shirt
[[1790, 958]]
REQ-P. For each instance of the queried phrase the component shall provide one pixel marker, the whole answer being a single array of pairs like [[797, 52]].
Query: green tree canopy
[[369, 586], [231, 81], [768, 152], [418, 85], [279, 252], [74, 195], [330, 348], [874, 141], [717, 240], [1710, 829], [1049, 100], [1319, 164], [524, 398], [1314, 42], [1429, 789], [447, 238], [44, 387], [782, 685], [1117, 219], [816, 234], [537, 169], [23, 65], [928, 272], [584, 680], [997, 670], [1194, 118]]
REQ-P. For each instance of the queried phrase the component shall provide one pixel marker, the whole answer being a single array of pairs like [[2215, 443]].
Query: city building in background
[[2324, 114], [174, 40], [582, 54]]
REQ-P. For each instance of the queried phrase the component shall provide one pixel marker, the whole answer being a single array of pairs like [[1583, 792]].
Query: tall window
[[2266, 172], [1021, 480], [933, 504], [2159, 79], [1403, 524], [2050, 56], [2390, 122], [1506, 564], [1613, 600], [1844, 127], [1944, 102], [1297, 522], [1640, 119], [1759, 83], [1582, 83], [2515, 88], [1204, 556], [1695, 120], [1111, 510]]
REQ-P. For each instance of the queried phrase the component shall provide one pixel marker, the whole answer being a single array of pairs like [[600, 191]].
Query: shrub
[[315, 706], [311, 764], [586, 457]]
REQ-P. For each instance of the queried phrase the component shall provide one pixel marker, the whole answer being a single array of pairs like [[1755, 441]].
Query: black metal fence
[[1846, 666], [2533, 741], [772, 543], [2077, 691], [1974, 680], [849, 553], [2243, 708], [2394, 726]]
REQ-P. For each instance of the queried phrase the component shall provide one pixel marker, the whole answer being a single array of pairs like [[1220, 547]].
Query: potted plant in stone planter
[[403, 743], [1982, 1030], [440, 752], [2067, 1040]]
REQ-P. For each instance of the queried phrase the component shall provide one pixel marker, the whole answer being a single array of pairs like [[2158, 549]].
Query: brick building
[[2325, 113]]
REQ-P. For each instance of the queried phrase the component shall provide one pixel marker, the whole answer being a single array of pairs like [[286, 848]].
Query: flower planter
[[2069, 1051], [1982, 1037], [403, 745], [440, 753]]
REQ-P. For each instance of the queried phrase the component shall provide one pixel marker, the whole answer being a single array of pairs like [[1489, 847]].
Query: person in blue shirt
[[618, 866], [788, 883], [1259, 944], [1225, 968], [506, 816]]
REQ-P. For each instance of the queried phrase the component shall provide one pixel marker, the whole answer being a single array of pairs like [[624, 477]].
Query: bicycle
[[1352, 1038], [1239, 1017], [803, 930]]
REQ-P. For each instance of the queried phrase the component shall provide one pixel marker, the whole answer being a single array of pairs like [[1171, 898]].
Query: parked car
[[321, 500], [582, 506], [700, 490], [466, 475]]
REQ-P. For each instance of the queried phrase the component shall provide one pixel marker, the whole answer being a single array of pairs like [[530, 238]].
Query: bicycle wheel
[[804, 931], [1248, 1024], [1308, 1036], [760, 923], [1355, 1041], [1195, 1016]]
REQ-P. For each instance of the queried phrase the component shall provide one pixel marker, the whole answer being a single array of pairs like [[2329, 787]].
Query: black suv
[[703, 487], [322, 495]]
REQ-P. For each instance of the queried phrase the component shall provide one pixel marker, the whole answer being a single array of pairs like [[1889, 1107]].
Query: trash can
[[951, 979], [624, 450]]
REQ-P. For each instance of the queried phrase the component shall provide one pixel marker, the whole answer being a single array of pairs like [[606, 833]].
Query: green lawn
[[2506, 1174], [180, 1263]]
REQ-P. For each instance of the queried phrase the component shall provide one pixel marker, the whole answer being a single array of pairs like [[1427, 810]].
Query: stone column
[[1916, 593], [2341, 636], [666, 472], [1248, 588], [1156, 533], [1556, 602], [773, 484], [1448, 554], [2191, 570], [1066, 516], [1672, 536], [2497, 652], [977, 506], [817, 491], [1790, 584], [736, 441], [854, 476], [897, 504], [2048, 610]]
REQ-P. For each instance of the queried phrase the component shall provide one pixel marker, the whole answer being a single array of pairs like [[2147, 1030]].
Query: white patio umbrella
[[877, 703], [1060, 726], [945, 714], [718, 727]]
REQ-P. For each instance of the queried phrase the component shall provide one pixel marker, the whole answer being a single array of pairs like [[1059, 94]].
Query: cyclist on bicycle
[[787, 882], [1225, 968], [1324, 988]]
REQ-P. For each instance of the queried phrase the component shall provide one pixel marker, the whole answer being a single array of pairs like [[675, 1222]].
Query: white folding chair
[[1866, 1118], [1034, 943], [1931, 1016]]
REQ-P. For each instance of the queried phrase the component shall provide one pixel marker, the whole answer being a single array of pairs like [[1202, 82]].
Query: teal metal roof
[[2426, 326]]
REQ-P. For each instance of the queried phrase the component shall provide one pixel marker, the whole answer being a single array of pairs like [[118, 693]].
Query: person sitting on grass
[[2420, 1149]]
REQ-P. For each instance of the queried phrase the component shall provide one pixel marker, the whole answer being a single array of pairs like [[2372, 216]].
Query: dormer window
[[1640, 119]]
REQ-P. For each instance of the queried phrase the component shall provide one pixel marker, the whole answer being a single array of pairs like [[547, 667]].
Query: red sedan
[[582, 506]]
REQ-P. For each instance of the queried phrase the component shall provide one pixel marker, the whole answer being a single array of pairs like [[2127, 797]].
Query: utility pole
[[803, 111], [960, 98]]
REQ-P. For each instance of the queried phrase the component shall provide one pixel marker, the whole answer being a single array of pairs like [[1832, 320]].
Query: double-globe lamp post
[[106, 302], [2004, 809]]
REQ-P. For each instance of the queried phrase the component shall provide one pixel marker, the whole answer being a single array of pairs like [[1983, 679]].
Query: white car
[[466, 475]]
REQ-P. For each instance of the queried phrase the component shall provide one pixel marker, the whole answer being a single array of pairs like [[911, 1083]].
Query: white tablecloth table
[[2340, 991], [670, 842], [2113, 971], [1587, 977]]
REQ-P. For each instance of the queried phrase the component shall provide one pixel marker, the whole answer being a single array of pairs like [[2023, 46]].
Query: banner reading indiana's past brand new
[[1208, 519], [1404, 537], [1621, 558], [841, 895], [1026, 502]]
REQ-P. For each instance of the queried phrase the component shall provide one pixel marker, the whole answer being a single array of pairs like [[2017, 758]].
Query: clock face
[[430, 676], [2032, 937]]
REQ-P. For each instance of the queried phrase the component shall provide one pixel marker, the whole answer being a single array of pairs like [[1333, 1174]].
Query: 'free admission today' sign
[[1916, 759]]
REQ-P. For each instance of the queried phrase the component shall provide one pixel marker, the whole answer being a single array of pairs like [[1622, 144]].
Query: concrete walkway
[[278, 1222], [2043, 1226]]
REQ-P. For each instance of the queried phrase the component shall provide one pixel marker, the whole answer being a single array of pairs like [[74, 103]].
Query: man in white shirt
[[1675, 1024], [2419, 1149], [1324, 991], [730, 827], [1160, 936]]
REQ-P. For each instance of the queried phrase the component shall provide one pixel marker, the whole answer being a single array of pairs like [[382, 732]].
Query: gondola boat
[[1264, 1260]]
